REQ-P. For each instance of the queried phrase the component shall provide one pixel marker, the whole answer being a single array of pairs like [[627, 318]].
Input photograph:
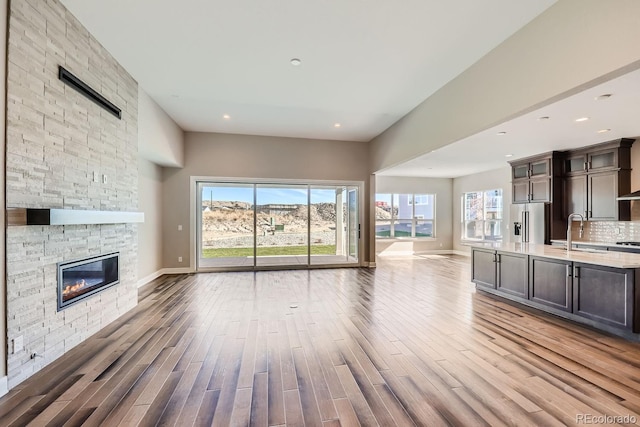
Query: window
[[405, 215], [482, 215]]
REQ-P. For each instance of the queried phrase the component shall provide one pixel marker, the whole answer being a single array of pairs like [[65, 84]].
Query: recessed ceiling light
[[295, 62], [226, 116], [501, 133], [337, 125], [603, 130], [603, 97], [582, 119], [544, 118], [508, 155]]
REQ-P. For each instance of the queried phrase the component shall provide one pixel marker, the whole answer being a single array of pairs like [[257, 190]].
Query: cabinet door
[[550, 282], [604, 294], [513, 274], [520, 171], [576, 194], [483, 267], [540, 190], [602, 160], [521, 191], [575, 164], [540, 168], [603, 190]]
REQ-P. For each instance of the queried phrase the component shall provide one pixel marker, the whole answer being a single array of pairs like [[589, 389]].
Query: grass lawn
[[269, 250]]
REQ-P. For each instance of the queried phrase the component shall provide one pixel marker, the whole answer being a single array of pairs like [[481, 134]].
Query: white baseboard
[[4, 386], [161, 272], [395, 253], [150, 277], [434, 252], [179, 270]]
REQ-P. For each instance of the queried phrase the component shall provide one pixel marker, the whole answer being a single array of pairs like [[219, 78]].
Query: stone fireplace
[[65, 152]]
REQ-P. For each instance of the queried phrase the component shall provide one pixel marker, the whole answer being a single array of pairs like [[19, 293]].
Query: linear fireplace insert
[[80, 279]]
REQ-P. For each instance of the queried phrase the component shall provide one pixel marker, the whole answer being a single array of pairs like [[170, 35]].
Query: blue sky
[[267, 195]]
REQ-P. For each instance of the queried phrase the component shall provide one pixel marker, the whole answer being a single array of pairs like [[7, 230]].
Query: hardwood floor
[[408, 343]]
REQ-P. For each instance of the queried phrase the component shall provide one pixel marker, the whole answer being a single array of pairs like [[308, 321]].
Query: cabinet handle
[[499, 258], [589, 165], [586, 165], [576, 272], [569, 271], [495, 258]]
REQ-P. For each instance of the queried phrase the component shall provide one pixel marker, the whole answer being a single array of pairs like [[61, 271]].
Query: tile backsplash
[[607, 231]]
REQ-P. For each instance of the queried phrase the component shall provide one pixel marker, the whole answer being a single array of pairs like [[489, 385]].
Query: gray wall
[[160, 143], [442, 188], [150, 239], [550, 58], [246, 156], [498, 178], [160, 139]]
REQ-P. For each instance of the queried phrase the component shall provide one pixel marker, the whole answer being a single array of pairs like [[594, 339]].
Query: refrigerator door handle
[[525, 226]]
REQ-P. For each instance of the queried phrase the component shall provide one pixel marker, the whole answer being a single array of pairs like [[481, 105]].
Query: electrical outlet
[[18, 344], [104, 178], [95, 176], [179, 259], [180, 227]]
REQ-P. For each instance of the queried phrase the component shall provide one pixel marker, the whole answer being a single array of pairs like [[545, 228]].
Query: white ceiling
[[365, 63], [527, 135]]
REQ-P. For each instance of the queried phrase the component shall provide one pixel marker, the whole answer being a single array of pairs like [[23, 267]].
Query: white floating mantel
[[29, 216]]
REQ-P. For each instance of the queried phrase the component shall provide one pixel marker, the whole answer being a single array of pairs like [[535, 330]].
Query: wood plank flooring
[[408, 343]]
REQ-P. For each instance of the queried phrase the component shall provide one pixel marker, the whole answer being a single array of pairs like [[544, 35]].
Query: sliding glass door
[[227, 225], [256, 225], [282, 224]]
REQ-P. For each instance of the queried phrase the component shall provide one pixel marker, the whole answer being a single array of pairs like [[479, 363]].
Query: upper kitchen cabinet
[[612, 155], [534, 178], [595, 176]]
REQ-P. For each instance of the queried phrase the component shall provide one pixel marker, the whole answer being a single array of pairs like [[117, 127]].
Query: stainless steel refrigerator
[[529, 223]]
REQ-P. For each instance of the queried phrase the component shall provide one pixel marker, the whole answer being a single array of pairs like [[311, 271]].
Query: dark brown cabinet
[[512, 274], [550, 282], [505, 271], [597, 295], [532, 179], [604, 294], [483, 267], [539, 180], [594, 177]]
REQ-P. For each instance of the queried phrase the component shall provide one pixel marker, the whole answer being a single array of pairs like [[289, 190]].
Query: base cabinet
[[550, 282], [601, 296], [604, 294], [512, 274], [483, 267]]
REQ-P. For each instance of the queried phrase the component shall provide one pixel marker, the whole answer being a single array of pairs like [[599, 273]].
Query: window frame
[[396, 200], [496, 208]]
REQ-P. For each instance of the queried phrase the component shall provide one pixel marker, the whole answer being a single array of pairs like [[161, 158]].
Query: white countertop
[[605, 258], [579, 242]]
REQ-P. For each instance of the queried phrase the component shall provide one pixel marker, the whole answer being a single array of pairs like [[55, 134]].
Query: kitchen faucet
[[569, 221]]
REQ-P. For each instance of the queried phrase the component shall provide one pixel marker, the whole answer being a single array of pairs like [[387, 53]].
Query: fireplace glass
[[82, 278]]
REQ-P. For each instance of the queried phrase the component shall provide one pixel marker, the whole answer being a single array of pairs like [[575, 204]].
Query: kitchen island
[[596, 288]]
